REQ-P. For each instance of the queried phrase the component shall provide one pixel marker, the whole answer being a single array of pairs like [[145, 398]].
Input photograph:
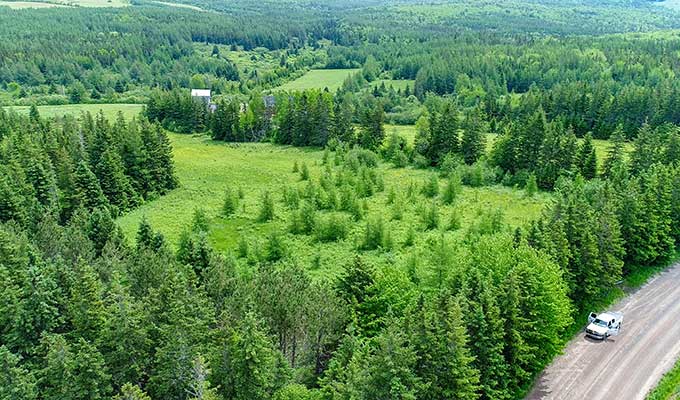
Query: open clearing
[[319, 79], [409, 133], [110, 110], [20, 5], [206, 168], [627, 366]]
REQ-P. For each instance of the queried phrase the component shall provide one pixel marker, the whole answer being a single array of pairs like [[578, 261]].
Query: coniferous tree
[[16, 382], [587, 159], [616, 153], [473, 144], [86, 189], [372, 131]]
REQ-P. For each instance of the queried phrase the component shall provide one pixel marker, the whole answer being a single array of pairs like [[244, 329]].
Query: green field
[[65, 3], [110, 110], [319, 79], [179, 5], [20, 5], [395, 83], [206, 168]]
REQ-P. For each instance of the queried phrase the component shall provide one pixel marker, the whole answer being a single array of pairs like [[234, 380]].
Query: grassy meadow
[[319, 79], [397, 84], [110, 110], [206, 168], [21, 5]]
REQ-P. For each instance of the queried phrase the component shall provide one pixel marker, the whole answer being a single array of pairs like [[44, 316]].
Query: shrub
[[230, 204], [303, 220], [275, 248], [531, 187], [490, 222], [430, 217], [374, 234], [266, 208], [200, 221], [454, 221], [454, 186], [332, 228], [399, 159], [431, 187], [304, 172]]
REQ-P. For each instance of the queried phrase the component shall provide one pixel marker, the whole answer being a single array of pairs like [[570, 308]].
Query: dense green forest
[[427, 297]]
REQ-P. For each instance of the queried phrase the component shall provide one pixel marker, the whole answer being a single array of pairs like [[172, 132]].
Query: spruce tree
[[16, 382], [587, 159], [86, 189], [473, 144], [616, 153], [372, 131]]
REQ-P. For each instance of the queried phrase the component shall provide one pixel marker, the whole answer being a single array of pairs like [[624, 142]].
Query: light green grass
[[96, 3], [319, 79], [395, 83], [178, 5], [21, 5], [206, 168], [110, 110]]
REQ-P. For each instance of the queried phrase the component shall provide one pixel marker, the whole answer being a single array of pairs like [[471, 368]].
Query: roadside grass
[[110, 110], [206, 168], [669, 386], [319, 79]]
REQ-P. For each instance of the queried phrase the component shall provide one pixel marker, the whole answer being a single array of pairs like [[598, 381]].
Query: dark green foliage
[[472, 145], [439, 339], [587, 160], [372, 131], [251, 368], [15, 381]]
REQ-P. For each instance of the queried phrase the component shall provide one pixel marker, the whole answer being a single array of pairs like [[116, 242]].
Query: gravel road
[[627, 366]]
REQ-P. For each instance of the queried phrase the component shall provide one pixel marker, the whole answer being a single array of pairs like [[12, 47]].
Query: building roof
[[200, 92]]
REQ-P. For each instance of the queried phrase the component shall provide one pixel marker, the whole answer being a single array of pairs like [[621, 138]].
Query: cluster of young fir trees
[[61, 167]]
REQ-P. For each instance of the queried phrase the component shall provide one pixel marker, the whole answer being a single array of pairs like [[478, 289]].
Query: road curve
[[627, 366]]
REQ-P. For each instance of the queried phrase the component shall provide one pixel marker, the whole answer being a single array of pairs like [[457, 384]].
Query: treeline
[[66, 167], [305, 118]]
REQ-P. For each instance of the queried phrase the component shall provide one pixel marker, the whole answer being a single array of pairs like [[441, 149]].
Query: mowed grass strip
[[319, 79], [110, 110]]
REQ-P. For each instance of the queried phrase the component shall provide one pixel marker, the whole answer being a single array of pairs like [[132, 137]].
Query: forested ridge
[[430, 293]]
